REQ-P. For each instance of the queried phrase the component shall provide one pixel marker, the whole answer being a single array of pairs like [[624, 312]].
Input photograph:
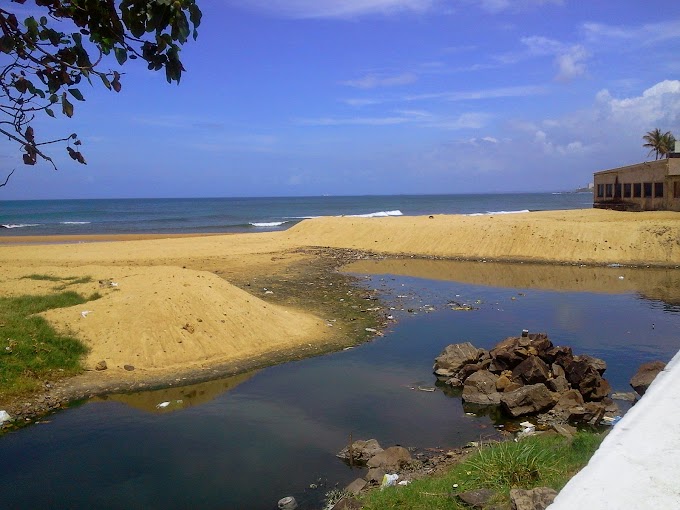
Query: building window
[[637, 190], [658, 190], [676, 189], [627, 190], [609, 189], [647, 186], [600, 189], [617, 190]]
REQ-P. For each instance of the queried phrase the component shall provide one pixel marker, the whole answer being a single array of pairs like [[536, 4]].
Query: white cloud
[[420, 118], [470, 95], [641, 35], [657, 104], [354, 121], [301, 9], [361, 101], [569, 59], [373, 80], [495, 6], [571, 63], [539, 45]]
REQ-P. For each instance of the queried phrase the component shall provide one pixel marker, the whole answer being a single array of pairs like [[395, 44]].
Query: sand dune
[[586, 236]]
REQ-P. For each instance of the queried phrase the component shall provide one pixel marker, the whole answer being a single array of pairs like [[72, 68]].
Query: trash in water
[[611, 421], [389, 480], [4, 416], [162, 405], [528, 429], [426, 388], [287, 503]]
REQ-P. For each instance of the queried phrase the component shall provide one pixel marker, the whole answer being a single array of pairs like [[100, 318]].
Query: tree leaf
[[76, 93], [66, 107], [121, 55], [49, 112]]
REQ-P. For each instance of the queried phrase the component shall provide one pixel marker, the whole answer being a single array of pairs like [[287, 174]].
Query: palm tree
[[667, 144], [659, 143]]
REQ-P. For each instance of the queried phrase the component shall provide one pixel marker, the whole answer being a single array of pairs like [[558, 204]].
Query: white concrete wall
[[637, 466]]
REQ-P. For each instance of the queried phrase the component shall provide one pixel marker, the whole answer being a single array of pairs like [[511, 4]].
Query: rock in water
[[480, 388], [645, 375], [391, 459], [361, 451], [454, 357], [527, 400]]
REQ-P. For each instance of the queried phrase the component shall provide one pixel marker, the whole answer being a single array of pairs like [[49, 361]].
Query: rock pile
[[529, 375]]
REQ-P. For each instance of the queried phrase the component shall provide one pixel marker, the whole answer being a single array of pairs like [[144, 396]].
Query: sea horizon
[[252, 214]]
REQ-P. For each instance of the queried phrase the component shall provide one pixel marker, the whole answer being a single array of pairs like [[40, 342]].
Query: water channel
[[247, 441]]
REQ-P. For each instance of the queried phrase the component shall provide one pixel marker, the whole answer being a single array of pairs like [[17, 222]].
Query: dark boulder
[[559, 355], [645, 375], [530, 399], [558, 384], [480, 388], [583, 376], [454, 357], [531, 371], [598, 364], [479, 498], [360, 451], [533, 499], [471, 368], [392, 459]]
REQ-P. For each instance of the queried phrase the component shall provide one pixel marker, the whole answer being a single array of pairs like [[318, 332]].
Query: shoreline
[[92, 238]]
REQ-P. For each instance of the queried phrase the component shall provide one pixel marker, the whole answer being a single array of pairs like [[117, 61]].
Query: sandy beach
[[174, 304]]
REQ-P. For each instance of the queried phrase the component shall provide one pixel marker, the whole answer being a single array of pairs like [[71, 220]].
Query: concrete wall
[[622, 185]]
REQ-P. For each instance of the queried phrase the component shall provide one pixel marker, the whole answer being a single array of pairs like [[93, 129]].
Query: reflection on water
[[652, 283], [176, 398], [276, 432]]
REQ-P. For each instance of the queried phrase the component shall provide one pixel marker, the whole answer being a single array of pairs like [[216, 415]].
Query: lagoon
[[247, 441]]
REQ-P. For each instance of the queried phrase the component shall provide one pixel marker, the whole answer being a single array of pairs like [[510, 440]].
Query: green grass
[[538, 461], [43, 277], [30, 349], [64, 280]]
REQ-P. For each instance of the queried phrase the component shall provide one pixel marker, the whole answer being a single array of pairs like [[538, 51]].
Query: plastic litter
[[528, 429], [162, 405], [287, 503], [608, 420], [4, 416], [389, 480], [404, 482], [84, 313]]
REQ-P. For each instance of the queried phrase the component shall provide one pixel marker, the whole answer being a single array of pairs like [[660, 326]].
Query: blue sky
[[311, 97]]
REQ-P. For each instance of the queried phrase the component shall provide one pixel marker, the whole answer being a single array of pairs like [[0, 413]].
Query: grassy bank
[[538, 461], [32, 352]]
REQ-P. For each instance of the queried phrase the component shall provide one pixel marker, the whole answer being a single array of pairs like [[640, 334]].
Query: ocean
[[202, 215]]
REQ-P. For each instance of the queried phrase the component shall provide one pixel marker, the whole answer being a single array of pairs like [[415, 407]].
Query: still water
[[247, 441]]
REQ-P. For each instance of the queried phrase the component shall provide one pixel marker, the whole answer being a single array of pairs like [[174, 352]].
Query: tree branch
[[7, 180]]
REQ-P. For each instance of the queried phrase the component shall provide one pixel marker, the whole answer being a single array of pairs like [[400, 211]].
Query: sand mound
[[580, 236], [172, 318]]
